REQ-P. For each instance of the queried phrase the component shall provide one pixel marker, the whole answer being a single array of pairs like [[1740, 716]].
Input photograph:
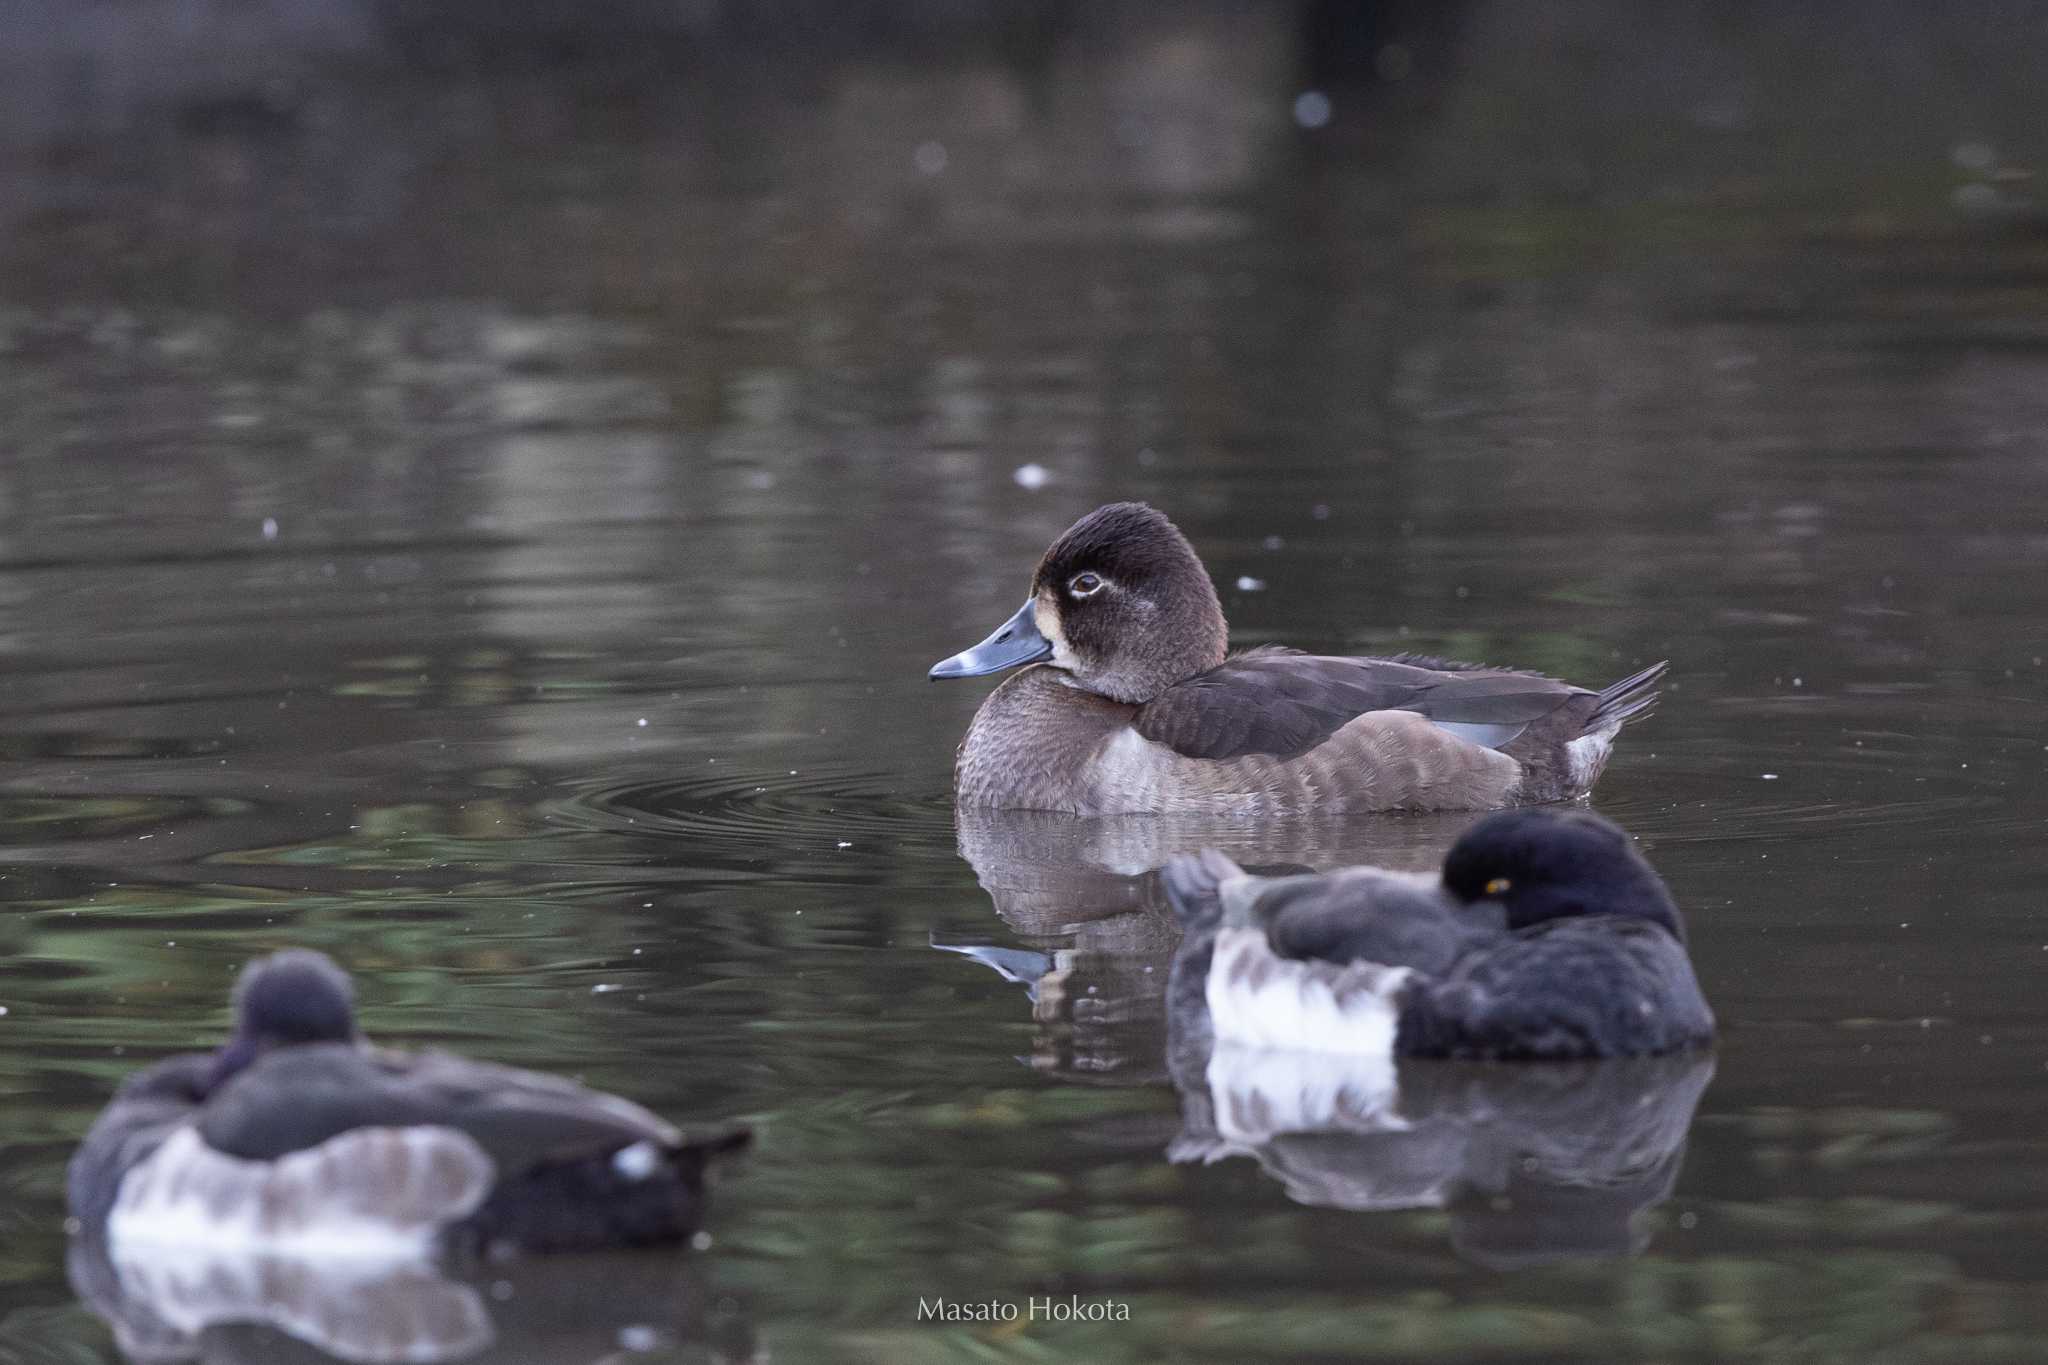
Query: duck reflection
[[272, 1309], [1548, 936], [1047, 871], [1534, 1163], [1095, 936]]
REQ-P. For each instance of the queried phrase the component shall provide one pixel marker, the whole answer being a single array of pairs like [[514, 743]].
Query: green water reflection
[[484, 512]]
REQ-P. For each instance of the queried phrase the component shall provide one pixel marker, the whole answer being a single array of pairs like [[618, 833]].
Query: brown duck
[[1134, 705]]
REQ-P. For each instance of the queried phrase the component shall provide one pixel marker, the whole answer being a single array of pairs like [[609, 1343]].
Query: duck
[[299, 1136], [1128, 701], [1547, 937]]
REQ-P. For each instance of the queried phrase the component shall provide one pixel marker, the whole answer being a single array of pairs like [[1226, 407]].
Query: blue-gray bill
[[1016, 641]]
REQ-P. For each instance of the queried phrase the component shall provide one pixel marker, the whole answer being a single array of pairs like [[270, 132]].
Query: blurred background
[[481, 485]]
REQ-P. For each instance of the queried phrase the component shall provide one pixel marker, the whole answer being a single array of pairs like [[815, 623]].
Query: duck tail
[[1630, 699], [699, 1153], [1194, 884], [642, 1194]]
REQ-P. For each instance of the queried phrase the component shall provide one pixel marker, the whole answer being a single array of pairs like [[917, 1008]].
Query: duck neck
[[241, 1051]]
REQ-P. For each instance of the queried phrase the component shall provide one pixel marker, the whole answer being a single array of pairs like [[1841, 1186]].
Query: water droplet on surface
[[1032, 476], [1312, 109]]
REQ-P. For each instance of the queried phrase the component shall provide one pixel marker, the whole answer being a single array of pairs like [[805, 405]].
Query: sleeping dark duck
[[1548, 936], [1131, 703], [299, 1137]]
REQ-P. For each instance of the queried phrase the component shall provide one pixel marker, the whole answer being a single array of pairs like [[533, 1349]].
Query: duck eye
[[1084, 584], [1498, 885]]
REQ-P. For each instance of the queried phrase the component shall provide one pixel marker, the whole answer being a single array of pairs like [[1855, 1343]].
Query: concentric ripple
[[824, 807]]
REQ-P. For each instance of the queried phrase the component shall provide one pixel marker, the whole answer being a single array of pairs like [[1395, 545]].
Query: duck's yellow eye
[[1498, 885], [1085, 584]]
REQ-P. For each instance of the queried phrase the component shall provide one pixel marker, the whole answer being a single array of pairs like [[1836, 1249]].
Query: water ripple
[[827, 808]]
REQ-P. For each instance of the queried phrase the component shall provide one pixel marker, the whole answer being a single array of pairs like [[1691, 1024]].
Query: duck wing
[[1284, 703], [1358, 914], [299, 1097], [1592, 986], [1366, 914], [150, 1105]]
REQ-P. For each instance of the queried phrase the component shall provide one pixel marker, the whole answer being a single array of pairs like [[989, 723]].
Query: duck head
[[1120, 602], [1542, 863], [286, 1000]]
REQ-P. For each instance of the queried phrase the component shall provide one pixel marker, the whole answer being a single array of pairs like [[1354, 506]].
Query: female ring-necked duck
[[1134, 705], [1548, 936], [299, 1135]]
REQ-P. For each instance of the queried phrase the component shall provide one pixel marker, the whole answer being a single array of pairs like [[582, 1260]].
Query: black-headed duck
[[298, 1135], [1132, 704], [1548, 937]]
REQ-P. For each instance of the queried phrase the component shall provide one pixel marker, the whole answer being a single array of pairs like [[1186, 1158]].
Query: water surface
[[488, 516]]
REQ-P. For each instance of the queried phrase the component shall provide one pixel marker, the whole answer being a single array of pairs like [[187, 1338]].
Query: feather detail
[[1261, 1000], [370, 1192]]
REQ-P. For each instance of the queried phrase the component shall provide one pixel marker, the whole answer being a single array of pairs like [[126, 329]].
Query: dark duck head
[[1121, 602], [1541, 863], [288, 999]]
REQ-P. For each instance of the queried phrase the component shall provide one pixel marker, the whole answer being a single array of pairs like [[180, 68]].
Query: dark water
[[484, 507]]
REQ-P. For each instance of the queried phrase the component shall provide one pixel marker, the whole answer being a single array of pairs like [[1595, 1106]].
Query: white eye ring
[[1086, 585]]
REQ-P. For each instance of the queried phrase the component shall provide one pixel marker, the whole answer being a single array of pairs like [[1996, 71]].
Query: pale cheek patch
[[1261, 1000], [1047, 618]]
